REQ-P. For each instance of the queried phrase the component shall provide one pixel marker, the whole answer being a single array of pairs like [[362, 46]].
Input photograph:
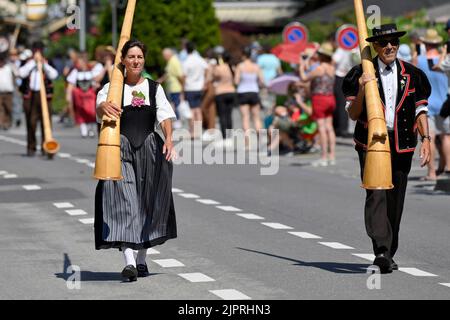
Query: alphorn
[[107, 162], [377, 168], [50, 145]]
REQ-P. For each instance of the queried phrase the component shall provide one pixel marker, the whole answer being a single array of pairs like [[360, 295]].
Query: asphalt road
[[298, 234]]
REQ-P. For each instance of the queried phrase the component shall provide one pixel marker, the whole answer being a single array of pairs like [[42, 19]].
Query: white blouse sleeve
[[72, 77], [164, 108], [102, 95]]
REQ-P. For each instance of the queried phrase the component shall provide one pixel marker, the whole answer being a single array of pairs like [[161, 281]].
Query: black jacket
[[413, 91]]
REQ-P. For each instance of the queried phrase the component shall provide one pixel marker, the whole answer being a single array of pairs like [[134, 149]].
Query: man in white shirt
[[6, 92], [194, 69], [404, 91], [30, 88]]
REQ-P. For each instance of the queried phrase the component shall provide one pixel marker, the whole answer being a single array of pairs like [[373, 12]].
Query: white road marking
[[230, 294], [336, 245], [189, 195], [207, 201], [305, 235], [175, 190], [76, 212], [87, 221], [63, 205], [82, 160], [445, 284], [196, 277], [228, 208], [277, 226], [250, 216], [366, 256], [417, 272], [12, 140], [152, 251], [31, 187], [10, 176], [64, 155], [169, 263], [3, 172]]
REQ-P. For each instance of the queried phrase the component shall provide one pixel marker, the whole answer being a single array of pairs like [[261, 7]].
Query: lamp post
[[114, 22], [83, 25]]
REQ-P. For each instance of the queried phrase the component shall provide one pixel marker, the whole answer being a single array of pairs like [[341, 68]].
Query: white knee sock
[[142, 254], [129, 256], [84, 129]]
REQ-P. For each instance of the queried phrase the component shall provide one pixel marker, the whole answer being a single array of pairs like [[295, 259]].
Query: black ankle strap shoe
[[142, 270]]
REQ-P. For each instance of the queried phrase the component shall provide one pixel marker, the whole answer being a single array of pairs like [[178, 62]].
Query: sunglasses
[[383, 43]]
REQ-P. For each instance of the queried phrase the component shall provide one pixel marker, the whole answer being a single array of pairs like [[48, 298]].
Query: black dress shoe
[[142, 270], [384, 262], [394, 265], [130, 273]]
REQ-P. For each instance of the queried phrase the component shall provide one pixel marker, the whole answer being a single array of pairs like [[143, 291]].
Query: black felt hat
[[385, 31]]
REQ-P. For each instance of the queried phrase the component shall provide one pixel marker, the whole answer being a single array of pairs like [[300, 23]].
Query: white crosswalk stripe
[[230, 294], [196, 277], [304, 235]]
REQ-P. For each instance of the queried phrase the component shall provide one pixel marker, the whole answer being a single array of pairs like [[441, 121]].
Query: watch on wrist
[[426, 137]]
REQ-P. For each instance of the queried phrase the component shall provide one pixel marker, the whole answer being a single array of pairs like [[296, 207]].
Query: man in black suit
[[404, 90]]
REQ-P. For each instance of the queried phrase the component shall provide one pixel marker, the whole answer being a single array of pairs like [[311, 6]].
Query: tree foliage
[[164, 23]]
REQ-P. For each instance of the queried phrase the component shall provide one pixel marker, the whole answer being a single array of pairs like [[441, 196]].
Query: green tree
[[164, 23]]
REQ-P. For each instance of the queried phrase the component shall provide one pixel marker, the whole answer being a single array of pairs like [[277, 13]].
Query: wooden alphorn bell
[[377, 168], [50, 145], [107, 162]]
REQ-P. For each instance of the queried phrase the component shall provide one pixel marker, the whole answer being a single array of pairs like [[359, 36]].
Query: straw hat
[[326, 49], [431, 37]]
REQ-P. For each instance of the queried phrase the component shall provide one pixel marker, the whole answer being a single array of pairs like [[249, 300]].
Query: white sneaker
[[320, 163], [332, 162]]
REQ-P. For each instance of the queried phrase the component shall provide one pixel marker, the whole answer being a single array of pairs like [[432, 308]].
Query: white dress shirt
[[389, 80], [30, 69], [164, 108]]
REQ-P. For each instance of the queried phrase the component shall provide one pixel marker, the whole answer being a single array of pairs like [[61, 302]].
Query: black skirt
[[138, 211]]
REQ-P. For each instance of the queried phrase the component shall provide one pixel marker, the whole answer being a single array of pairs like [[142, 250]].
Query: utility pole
[[83, 25], [114, 22]]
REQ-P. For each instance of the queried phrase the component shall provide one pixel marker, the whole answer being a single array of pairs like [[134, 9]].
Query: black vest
[[413, 91], [136, 123]]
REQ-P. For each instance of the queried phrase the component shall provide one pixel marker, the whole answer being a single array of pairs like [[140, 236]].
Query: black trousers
[[33, 115], [224, 104], [340, 116], [383, 208]]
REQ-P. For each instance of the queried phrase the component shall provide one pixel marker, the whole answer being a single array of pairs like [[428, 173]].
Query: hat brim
[[435, 41], [397, 34]]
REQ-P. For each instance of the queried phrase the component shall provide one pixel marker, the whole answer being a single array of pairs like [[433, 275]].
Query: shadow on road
[[89, 275], [335, 267]]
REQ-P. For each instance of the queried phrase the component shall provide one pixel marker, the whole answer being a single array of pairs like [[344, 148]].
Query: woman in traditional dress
[[137, 213]]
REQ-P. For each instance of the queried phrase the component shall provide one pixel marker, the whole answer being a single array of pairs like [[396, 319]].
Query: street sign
[[347, 37], [295, 32]]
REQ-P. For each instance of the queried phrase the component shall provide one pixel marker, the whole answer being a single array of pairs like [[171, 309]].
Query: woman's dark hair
[[324, 57], [131, 44], [226, 56], [247, 52]]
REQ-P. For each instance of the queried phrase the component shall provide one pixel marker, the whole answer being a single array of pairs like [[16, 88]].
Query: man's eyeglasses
[[384, 42]]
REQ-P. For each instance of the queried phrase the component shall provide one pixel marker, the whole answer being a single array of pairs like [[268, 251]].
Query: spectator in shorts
[[271, 67], [173, 78], [323, 101], [439, 89], [194, 69], [248, 79]]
